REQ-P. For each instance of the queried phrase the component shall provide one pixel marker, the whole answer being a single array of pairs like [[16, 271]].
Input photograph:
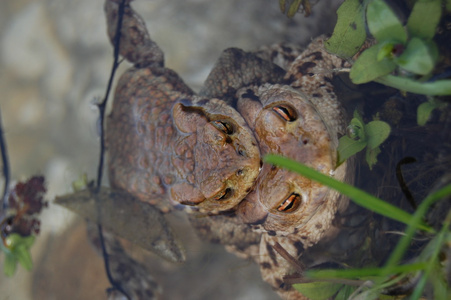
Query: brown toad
[[292, 210], [300, 118], [167, 146]]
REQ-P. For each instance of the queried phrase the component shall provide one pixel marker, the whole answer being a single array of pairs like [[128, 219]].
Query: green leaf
[[360, 197], [282, 6], [424, 110], [448, 5], [347, 147], [15, 240], [349, 32], [357, 119], [358, 125], [345, 292], [371, 156], [385, 51], [24, 257], [435, 88], [419, 57], [28, 241], [370, 294], [81, 183], [383, 23], [294, 7], [319, 290], [364, 272], [424, 18], [9, 265], [376, 132], [367, 68]]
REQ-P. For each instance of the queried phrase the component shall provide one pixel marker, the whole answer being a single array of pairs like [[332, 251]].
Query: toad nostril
[[240, 172], [305, 141]]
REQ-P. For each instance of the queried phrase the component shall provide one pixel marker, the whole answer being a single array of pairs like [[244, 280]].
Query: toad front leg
[[235, 69]]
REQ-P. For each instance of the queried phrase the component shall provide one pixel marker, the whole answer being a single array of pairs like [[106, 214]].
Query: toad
[[300, 118], [166, 145]]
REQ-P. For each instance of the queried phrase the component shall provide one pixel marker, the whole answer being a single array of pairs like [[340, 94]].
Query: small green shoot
[[17, 250], [360, 135], [20, 223], [80, 183], [416, 54], [425, 109], [409, 49]]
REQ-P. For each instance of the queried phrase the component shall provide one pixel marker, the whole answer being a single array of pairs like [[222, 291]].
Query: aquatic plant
[[408, 51], [360, 136]]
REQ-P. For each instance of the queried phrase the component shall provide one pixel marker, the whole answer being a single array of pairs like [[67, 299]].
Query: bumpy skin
[[167, 146], [159, 134], [301, 119], [319, 121], [310, 137], [235, 69]]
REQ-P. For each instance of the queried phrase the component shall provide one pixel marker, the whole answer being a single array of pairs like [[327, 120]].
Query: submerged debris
[[128, 217]]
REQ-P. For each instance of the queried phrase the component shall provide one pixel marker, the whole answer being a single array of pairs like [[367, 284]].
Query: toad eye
[[286, 112], [223, 195], [290, 204], [223, 126]]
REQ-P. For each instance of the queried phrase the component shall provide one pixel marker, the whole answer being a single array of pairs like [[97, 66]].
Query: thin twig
[[102, 107], [293, 279], [5, 162], [402, 183], [293, 261]]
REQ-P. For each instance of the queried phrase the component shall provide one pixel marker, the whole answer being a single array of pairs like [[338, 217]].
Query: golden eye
[[290, 204], [223, 126], [223, 195], [285, 112]]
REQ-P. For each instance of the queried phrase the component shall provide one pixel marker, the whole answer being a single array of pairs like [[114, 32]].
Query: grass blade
[[363, 272], [360, 197]]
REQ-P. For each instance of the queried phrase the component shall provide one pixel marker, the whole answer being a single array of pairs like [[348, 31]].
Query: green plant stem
[[435, 88], [360, 197], [364, 272]]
